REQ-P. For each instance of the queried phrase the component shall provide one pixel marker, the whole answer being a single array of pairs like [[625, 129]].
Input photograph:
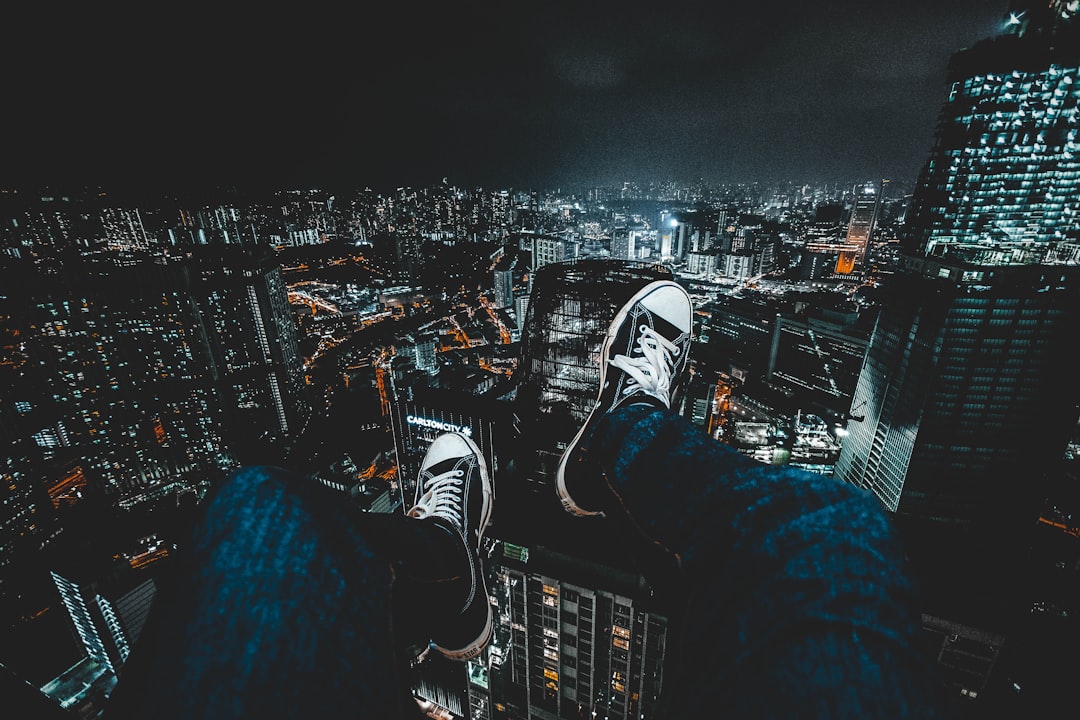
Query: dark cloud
[[484, 93]]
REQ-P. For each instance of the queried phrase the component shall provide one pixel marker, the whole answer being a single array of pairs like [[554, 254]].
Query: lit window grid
[[1006, 169]]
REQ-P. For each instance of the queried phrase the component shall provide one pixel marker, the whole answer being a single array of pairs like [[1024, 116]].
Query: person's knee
[[246, 486], [249, 477]]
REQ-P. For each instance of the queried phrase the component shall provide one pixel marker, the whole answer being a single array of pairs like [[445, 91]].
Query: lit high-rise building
[[547, 250], [864, 215], [701, 263], [123, 229], [504, 280], [108, 615], [622, 244], [1002, 184], [502, 211], [521, 307], [573, 639], [967, 395], [424, 347], [642, 242], [245, 310]]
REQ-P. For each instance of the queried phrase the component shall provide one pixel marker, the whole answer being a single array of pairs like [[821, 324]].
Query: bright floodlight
[[1014, 19]]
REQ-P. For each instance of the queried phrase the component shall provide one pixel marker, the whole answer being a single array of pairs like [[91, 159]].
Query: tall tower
[[504, 280], [622, 244], [1002, 184], [864, 217], [966, 396], [574, 639], [245, 310]]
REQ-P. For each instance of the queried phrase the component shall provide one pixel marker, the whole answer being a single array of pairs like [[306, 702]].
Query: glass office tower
[[966, 397]]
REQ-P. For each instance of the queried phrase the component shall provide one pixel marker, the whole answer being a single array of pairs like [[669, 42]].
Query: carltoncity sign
[[438, 425]]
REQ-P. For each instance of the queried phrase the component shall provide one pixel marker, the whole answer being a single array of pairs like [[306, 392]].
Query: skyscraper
[[108, 615], [1002, 184], [864, 215], [245, 310], [966, 397], [574, 639], [547, 249], [622, 244], [116, 370], [503, 280]]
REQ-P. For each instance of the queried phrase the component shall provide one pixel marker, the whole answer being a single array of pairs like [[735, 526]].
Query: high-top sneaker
[[643, 360], [455, 490]]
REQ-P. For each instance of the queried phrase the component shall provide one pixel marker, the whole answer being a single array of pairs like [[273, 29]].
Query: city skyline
[[531, 97], [906, 335]]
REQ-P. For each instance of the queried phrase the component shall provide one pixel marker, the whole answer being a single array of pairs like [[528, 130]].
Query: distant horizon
[[56, 191]]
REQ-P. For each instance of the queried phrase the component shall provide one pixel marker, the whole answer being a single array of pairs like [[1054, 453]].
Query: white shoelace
[[442, 498], [652, 371]]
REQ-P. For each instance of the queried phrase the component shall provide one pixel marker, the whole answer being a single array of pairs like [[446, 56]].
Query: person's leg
[[455, 494], [797, 601], [281, 604]]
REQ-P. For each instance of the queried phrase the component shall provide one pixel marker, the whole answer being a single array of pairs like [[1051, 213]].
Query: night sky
[[507, 94]]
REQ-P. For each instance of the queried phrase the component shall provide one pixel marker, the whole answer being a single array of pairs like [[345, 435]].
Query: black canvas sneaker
[[454, 488], [643, 359]]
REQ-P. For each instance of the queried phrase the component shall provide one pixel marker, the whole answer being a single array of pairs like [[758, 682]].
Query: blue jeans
[[796, 595], [282, 605], [793, 594]]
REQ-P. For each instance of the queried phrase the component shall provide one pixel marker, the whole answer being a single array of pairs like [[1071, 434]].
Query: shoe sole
[[474, 648], [613, 329], [487, 504]]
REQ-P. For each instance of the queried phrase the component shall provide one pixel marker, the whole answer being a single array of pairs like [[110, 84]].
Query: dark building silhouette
[[967, 395], [245, 312], [817, 359]]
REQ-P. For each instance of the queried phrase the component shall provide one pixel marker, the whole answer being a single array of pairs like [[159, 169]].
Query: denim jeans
[[792, 593], [281, 606], [797, 601]]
